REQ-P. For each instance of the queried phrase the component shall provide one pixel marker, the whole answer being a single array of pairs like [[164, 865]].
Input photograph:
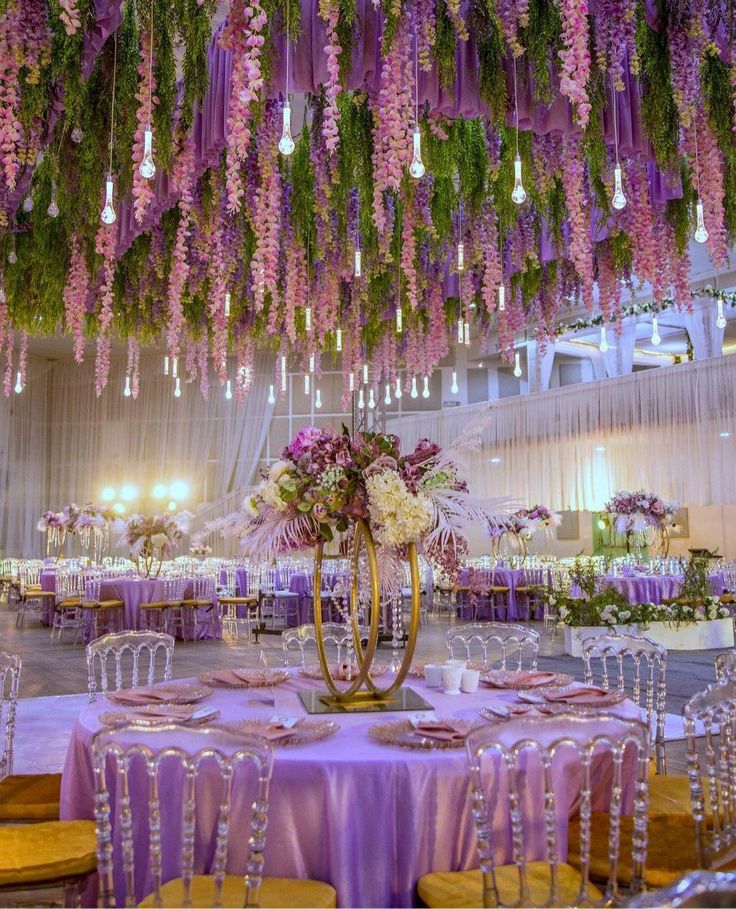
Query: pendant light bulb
[[228, 391], [358, 270], [317, 399], [501, 298], [656, 338], [399, 320], [361, 399], [286, 143], [147, 169], [311, 362], [18, 383], [517, 365], [227, 305], [454, 387], [414, 392], [76, 135], [271, 396], [308, 318], [371, 399], [701, 234], [365, 373], [397, 390], [28, 203], [387, 396], [283, 373], [460, 330], [466, 329], [416, 168], [166, 364], [619, 199], [351, 382], [518, 194], [721, 319], [3, 296], [107, 215], [338, 340], [425, 388], [177, 388], [461, 256], [12, 255], [175, 366], [126, 390], [306, 383], [603, 346], [53, 210]]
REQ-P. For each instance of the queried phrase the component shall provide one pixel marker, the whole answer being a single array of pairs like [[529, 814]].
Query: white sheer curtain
[[619, 358], [670, 429], [705, 335]]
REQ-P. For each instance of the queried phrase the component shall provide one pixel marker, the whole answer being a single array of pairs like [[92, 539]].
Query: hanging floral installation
[[392, 226]]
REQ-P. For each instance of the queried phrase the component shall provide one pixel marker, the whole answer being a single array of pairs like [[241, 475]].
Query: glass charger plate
[[181, 694], [302, 733], [417, 669], [510, 711], [314, 671], [519, 681], [403, 734], [255, 680], [154, 715], [607, 700]]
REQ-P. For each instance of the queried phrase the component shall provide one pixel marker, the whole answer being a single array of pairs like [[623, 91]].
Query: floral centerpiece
[[198, 548], [84, 522], [641, 517], [152, 539], [52, 524], [539, 517]]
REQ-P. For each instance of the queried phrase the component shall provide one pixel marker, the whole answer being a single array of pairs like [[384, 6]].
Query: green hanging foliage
[[542, 40], [164, 71], [486, 28], [718, 95], [444, 48], [194, 24], [659, 116]]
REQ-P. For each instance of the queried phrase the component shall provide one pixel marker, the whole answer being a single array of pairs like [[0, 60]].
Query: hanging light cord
[[615, 119], [150, 64], [416, 78], [697, 163], [112, 106], [288, 32], [516, 107]]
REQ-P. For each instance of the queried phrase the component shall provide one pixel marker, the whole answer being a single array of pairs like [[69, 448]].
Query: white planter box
[[715, 635]]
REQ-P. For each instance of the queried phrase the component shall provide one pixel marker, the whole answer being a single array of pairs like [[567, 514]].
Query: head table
[[653, 588], [366, 817]]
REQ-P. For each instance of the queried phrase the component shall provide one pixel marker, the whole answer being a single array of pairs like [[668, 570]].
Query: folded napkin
[[144, 696], [180, 715], [273, 731], [533, 678], [586, 695], [234, 676], [442, 732], [540, 710]]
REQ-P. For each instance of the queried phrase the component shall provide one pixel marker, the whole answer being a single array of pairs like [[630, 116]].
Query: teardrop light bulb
[[371, 399], [361, 399], [399, 320], [338, 340], [311, 362], [228, 391], [166, 364], [283, 373], [271, 396], [308, 318], [107, 215], [461, 256], [454, 387], [175, 366], [147, 169], [306, 383], [53, 210], [28, 203], [126, 391], [3, 296], [517, 365], [351, 382], [425, 389], [177, 388], [76, 135], [358, 263], [18, 383], [619, 199], [227, 306], [656, 338], [416, 168], [701, 234], [387, 396], [518, 194], [317, 399], [286, 143], [466, 334], [414, 392], [721, 319], [603, 346], [460, 330], [365, 373], [501, 298], [397, 390]]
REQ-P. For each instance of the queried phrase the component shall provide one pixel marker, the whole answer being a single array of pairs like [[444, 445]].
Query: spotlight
[[179, 490], [159, 491], [107, 494], [172, 505], [118, 508], [128, 492]]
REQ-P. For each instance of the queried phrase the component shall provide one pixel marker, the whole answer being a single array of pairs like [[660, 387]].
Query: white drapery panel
[[619, 358], [92, 442], [705, 336], [669, 429]]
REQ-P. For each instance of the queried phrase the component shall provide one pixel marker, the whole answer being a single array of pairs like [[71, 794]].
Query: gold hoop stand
[[363, 693]]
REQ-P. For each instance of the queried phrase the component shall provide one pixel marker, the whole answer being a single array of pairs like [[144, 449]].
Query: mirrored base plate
[[403, 699]]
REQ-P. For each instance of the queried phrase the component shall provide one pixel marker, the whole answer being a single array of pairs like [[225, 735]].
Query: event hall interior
[[367, 453]]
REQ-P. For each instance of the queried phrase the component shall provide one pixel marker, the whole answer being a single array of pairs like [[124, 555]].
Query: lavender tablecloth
[[368, 818], [654, 588], [133, 592], [504, 577]]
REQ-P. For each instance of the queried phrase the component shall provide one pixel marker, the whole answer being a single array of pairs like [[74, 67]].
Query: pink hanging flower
[[105, 243], [204, 374], [492, 268], [243, 37], [686, 43], [609, 287], [640, 223], [216, 305], [575, 57], [11, 130], [409, 253], [8, 377], [329, 11], [295, 289], [266, 215], [573, 180], [425, 18], [23, 357], [143, 192], [615, 39], [75, 295], [133, 365], [711, 187], [184, 180], [69, 16]]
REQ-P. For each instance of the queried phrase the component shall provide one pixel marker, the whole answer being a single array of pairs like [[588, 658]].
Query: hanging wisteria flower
[[329, 11], [573, 178], [575, 57], [10, 126], [133, 366], [143, 190], [266, 213], [184, 181], [75, 295], [513, 14], [105, 243], [69, 16]]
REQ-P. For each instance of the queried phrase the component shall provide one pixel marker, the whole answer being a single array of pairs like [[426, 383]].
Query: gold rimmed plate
[[160, 715], [291, 732], [243, 678], [174, 693], [508, 680], [606, 699], [405, 734]]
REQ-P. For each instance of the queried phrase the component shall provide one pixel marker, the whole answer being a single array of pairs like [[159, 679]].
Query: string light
[[656, 338], [518, 194], [517, 365], [306, 383], [107, 215], [18, 383], [461, 256], [166, 364], [311, 362], [454, 387], [603, 346], [227, 305], [414, 392], [271, 395], [701, 234], [53, 210], [501, 298], [466, 328], [619, 199], [387, 396], [365, 373], [399, 320], [425, 388], [361, 399], [338, 339], [358, 263], [286, 143], [371, 399], [351, 382], [460, 330], [147, 168], [397, 390], [283, 373], [126, 391], [228, 390], [416, 168], [308, 318], [721, 319], [175, 366], [177, 388], [317, 399]]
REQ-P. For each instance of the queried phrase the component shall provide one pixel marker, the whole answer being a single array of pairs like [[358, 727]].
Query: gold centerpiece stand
[[362, 693]]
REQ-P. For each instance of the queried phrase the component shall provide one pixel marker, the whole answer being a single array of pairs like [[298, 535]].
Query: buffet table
[[366, 817]]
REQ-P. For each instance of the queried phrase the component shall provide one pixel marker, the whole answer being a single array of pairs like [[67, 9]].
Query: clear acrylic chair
[[149, 653], [641, 670], [527, 774], [277, 600], [33, 603], [696, 890], [174, 608], [233, 601], [336, 633], [514, 643], [224, 780], [69, 587], [726, 664]]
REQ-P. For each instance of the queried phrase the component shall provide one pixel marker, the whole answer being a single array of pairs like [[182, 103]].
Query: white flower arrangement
[[398, 515]]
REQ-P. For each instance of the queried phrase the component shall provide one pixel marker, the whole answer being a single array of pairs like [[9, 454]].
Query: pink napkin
[[586, 695], [273, 731], [233, 676], [180, 715], [143, 696], [533, 678], [442, 732], [541, 710]]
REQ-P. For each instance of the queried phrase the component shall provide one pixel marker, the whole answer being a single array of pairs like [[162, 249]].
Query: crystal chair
[[154, 839], [337, 633], [696, 890], [520, 771], [231, 601], [174, 609], [277, 600], [154, 614], [513, 641], [68, 607], [95, 608], [644, 656], [726, 664], [201, 605], [138, 646], [34, 602]]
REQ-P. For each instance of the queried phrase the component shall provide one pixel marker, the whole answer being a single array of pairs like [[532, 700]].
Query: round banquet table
[[654, 588], [504, 577], [368, 818], [133, 592]]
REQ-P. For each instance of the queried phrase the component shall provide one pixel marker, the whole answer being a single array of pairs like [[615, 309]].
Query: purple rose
[[425, 451]]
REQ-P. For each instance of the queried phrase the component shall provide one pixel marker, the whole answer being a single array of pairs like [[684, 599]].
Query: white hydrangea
[[397, 515], [270, 493]]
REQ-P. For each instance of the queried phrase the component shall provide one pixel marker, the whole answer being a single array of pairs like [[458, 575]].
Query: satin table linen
[[654, 588], [504, 577], [133, 592], [366, 817]]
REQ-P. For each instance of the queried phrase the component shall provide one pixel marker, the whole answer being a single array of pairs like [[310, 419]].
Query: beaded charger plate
[[404, 734], [303, 732], [608, 699], [249, 679], [314, 671], [495, 712], [174, 694], [525, 681], [160, 715]]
